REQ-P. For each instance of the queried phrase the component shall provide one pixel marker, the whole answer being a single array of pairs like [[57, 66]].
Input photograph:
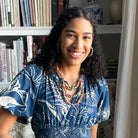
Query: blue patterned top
[[37, 98]]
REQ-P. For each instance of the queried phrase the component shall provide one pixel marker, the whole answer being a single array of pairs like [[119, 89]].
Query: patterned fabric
[[37, 98]]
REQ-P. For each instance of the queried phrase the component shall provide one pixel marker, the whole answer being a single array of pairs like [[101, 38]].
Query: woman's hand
[[6, 122], [94, 131], [5, 136]]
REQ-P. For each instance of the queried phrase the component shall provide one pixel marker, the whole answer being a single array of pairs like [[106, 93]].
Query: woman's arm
[[94, 131], [6, 122]]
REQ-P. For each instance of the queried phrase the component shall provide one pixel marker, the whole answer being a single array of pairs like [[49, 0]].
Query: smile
[[76, 55]]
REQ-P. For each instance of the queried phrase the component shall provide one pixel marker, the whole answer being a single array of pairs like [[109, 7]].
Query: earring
[[91, 52]]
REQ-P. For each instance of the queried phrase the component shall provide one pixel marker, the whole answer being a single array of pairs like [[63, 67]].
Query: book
[[23, 58], [47, 12], [41, 12], [9, 64], [12, 13], [60, 6], [15, 54], [16, 13], [28, 12], [29, 48], [9, 12], [13, 58], [36, 11], [0, 16], [33, 13], [22, 6], [44, 12], [0, 63], [54, 11], [3, 14], [3, 61], [50, 13], [6, 12], [20, 51], [66, 4]]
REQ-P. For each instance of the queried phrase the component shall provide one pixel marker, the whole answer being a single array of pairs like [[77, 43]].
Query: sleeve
[[103, 108], [19, 98]]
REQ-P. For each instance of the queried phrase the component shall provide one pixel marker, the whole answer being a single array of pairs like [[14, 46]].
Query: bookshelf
[[109, 33], [43, 31]]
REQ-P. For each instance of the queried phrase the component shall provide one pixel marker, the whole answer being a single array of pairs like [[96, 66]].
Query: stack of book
[[11, 59], [30, 12], [14, 56]]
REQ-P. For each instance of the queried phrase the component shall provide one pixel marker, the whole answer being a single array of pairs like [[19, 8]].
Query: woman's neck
[[70, 73]]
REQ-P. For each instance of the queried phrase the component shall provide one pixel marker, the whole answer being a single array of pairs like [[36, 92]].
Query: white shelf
[[109, 29], [42, 31], [24, 31]]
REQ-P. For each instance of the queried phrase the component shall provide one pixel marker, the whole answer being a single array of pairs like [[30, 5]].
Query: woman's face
[[76, 41]]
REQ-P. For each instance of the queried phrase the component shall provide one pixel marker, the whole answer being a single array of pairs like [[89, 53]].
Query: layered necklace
[[79, 87]]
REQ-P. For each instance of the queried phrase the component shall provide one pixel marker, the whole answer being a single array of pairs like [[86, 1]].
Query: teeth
[[76, 54]]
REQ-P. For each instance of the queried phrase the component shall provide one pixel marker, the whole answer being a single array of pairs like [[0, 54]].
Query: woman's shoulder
[[30, 71], [33, 68], [101, 81], [102, 86]]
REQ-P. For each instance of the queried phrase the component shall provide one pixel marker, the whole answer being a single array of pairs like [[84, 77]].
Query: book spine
[[29, 47], [19, 54], [9, 12], [44, 13], [12, 13], [9, 64], [16, 13], [41, 12], [28, 12], [50, 13], [4, 63], [6, 13], [15, 56], [60, 6], [13, 63], [3, 13], [66, 4], [23, 12], [0, 63], [47, 12], [36, 12], [33, 13], [54, 11], [0, 15]]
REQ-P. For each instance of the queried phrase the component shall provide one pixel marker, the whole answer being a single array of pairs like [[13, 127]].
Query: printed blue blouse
[[37, 98]]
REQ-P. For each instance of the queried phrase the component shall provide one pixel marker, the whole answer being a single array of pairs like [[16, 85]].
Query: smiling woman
[[62, 91]]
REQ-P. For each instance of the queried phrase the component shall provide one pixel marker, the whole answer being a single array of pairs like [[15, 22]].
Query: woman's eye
[[87, 37], [70, 35]]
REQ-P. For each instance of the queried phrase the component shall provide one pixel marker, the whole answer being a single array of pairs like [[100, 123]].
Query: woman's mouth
[[76, 54]]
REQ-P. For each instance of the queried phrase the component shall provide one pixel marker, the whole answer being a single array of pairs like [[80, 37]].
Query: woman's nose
[[78, 43]]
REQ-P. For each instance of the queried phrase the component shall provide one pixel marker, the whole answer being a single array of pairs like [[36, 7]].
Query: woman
[[62, 92]]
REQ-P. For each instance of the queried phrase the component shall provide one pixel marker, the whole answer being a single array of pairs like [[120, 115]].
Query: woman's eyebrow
[[69, 30]]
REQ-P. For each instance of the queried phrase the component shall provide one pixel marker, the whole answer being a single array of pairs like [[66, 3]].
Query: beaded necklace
[[65, 86]]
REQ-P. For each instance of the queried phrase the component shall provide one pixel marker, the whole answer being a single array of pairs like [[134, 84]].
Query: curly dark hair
[[94, 66]]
